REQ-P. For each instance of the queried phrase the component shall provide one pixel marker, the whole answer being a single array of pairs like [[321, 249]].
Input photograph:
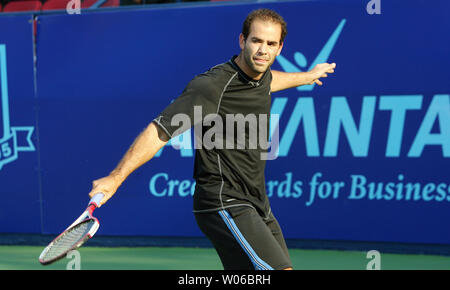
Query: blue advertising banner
[[362, 158], [20, 209]]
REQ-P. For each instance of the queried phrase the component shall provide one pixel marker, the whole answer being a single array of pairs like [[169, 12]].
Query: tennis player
[[231, 206]]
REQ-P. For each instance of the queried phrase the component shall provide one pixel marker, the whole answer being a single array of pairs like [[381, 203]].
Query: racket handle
[[96, 199]]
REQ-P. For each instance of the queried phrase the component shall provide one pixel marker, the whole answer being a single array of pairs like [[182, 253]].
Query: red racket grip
[[95, 202]]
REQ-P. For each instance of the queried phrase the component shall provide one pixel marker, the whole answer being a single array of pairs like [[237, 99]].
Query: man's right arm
[[146, 145], [200, 91]]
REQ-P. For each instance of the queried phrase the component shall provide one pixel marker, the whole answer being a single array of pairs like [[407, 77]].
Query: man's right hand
[[107, 185]]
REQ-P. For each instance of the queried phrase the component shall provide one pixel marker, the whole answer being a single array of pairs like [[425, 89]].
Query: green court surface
[[177, 258]]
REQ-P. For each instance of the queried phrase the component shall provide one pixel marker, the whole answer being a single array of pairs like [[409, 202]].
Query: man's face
[[261, 46]]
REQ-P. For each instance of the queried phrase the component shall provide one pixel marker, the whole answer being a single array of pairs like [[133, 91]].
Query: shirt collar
[[244, 75]]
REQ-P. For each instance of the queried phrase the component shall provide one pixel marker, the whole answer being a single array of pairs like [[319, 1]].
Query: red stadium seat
[[17, 6], [55, 5], [62, 4], [87, 3], [111, 3]]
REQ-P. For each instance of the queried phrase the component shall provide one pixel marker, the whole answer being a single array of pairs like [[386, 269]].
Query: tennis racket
[[81, 230]]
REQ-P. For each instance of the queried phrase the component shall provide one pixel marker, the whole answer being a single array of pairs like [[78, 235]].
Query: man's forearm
[[285, 80], [142, 150], [146, 145]]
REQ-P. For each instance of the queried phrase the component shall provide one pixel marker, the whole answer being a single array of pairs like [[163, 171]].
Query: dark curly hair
[[265, 15]]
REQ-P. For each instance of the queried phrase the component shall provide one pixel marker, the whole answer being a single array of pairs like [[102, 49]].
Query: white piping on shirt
[[218, 156]]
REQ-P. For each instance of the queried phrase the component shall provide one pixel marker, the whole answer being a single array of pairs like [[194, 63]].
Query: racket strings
[[69, 239]]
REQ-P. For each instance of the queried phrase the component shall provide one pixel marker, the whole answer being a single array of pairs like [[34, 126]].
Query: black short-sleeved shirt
[[225, 177]]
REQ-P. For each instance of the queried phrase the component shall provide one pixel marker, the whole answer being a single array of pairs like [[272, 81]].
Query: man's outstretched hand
[[321, 70]]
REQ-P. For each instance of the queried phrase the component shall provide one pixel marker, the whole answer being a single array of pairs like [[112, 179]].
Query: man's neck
[[239, 60]]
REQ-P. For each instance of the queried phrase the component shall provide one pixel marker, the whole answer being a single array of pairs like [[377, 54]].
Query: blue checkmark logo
[[301, 63]]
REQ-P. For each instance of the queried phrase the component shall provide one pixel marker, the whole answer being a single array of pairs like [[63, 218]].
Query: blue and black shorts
[[244, 240]]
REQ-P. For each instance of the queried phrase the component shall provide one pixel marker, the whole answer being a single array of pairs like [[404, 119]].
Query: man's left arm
[[285, 80]]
